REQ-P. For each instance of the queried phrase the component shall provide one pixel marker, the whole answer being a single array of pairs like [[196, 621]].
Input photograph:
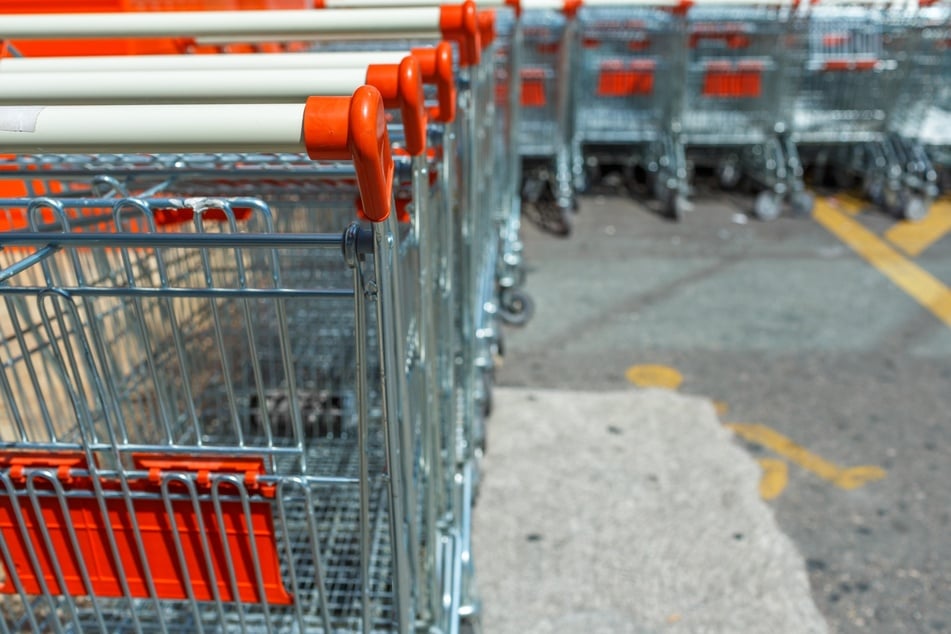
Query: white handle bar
[[396, 23], [236, 86], [120, 63], [173, 129]]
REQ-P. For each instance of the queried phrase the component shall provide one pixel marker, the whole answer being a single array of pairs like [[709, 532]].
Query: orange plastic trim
[[436, 67], [460, 23], [516, 5], [169, 549], [840, 65], [340, 128], [401, 86], [616, 79], [734, 39], [570, 8], [486, 28], [533, 88]]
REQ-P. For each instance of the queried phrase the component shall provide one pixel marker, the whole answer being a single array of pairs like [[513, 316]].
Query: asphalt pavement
[[827, 357]]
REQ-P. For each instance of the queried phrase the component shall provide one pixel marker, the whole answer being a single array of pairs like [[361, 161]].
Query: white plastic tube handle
[[236, 86], [126, 63], [173, 129], [393, 22]]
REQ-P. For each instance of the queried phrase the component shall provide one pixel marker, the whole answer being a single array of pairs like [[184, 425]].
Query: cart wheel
[[914, 208], [487, 405], [766, 207], [728, 174], [549, 217], [517, 307], [803, 203], [892, 202], [675, 206]]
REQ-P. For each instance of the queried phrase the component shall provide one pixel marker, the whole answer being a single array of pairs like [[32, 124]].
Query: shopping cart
[[853, 76], [206, 407], [922, 118], [207, 29], [627, 99], [544, 127], [733, 116]]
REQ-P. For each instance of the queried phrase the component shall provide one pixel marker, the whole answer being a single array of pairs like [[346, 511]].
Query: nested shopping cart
[[435, 547], [737, 72], [627, 96], [544, 126], [854, 71], [921, 120], [206, 412]]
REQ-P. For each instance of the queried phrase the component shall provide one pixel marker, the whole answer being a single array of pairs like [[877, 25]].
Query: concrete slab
[[628, 512]]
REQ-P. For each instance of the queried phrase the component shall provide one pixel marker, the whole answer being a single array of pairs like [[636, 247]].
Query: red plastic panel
[[616, 79], [175, 559], [725, 81], [533, 88]]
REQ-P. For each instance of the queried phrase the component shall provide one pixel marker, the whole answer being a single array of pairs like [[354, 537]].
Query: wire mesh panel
[[539, 132], [213, 471], [848, 84], [624, 93], [733, 74]]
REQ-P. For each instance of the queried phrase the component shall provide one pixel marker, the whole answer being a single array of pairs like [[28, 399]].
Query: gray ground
[[629, 512], [792, 330]]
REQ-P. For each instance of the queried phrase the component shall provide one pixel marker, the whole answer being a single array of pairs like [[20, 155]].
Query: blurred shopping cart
[[737, 72], [854, 73], [544, 127], [627, 96]]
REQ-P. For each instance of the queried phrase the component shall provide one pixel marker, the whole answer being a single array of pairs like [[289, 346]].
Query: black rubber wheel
[[766, 207], [802, 203], [517, 307]]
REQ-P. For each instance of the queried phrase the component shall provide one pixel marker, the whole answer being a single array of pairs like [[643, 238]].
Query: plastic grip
[[436, 67], [571, 7], [460, 23], [401, 86], [354, 128], [486, 28]]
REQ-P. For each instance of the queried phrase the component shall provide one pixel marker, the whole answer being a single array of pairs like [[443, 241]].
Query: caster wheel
[[766, 206], [675, 206], [517, 307], [892, 203], [487, 405], [802, 203], [914, 208], [728, 174]]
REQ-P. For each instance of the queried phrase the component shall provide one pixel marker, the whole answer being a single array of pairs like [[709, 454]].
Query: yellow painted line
[[844, 478], [914, 237], [775, 477], [923, 287], [654, 376]]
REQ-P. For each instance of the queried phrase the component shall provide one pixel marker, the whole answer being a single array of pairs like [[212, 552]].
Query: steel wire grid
[[539, 132], [851, 75], [183, 345], [628, 58], [734, 74]]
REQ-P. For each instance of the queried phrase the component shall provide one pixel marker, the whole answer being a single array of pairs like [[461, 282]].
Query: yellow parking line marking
[[923, 287], [654, 376], [914, 237], [775, 477], [845, 478], [721, 407]]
